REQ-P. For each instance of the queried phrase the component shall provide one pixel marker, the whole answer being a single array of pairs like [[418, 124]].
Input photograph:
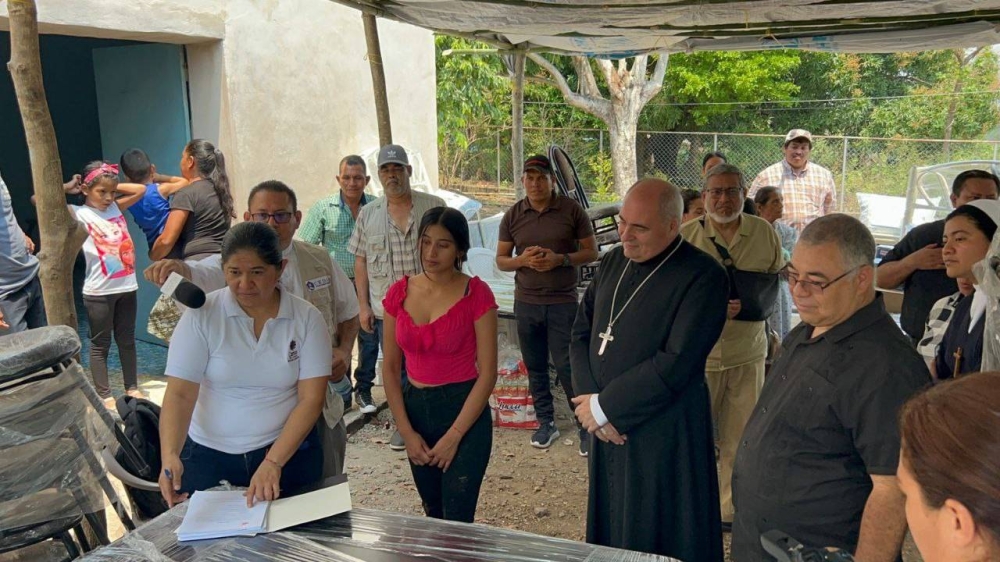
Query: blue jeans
[[368, 345], [24, 309], [204, 467]]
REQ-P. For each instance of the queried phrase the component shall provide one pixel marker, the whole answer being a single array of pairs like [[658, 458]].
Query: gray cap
[[392, 154]]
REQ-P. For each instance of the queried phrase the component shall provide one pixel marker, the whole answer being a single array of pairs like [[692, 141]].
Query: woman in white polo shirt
[[247, 378]]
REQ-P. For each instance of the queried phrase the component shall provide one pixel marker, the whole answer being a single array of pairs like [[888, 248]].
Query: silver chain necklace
[[606, 335]]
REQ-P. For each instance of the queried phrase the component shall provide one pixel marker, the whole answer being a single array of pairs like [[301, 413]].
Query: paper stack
[[215, 514]]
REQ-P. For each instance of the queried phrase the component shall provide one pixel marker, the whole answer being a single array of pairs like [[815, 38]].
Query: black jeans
[[451, 495], [205, 467], [107, 313], [543, 330]]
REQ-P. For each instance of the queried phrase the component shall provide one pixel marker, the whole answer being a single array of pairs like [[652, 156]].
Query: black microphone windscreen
[[189, 294]]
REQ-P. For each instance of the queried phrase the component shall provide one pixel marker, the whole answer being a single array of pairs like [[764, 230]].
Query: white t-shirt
[[248, 386], [109, 251]]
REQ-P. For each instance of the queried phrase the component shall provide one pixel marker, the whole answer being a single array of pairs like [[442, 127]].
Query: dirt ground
[[541, 491]]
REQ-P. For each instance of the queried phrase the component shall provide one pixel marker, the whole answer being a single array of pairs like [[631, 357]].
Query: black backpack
[[141, 421]]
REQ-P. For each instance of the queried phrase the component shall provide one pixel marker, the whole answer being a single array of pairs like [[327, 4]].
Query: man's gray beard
[[722, 219]]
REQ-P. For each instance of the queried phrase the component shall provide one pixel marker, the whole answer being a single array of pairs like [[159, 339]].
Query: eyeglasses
[[281, 217], [728, 192], [811, 286]]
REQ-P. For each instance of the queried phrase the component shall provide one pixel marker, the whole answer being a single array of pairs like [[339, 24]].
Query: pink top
[[444, 351]]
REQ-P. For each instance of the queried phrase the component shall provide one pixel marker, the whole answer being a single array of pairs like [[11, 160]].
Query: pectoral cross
[[958, 363], [605, 338]]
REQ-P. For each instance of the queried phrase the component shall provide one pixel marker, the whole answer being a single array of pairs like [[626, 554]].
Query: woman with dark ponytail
[[201, 213]]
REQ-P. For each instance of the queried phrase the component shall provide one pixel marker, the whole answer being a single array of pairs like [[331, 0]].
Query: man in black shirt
[[915, 262], [818, 457]]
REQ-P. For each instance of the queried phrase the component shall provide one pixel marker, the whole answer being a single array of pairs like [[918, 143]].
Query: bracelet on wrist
[[458, 431], [274, 462]]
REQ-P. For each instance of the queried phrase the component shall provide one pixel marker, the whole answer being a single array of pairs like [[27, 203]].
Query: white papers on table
[[215, 514]]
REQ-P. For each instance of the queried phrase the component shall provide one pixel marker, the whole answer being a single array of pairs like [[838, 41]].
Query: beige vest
[[319, 289], [378, 250]]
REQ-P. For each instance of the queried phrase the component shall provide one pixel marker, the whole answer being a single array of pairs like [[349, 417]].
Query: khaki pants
[[734, 394]]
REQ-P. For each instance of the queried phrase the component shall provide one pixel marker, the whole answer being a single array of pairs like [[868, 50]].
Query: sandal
[[136, 393], [109, 403]]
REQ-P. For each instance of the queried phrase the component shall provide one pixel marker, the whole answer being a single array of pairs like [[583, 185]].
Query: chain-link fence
[[859, 165]]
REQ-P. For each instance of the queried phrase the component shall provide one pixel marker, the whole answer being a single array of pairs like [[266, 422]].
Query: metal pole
[[600, 141], [715, 142], [843, 177], [517, 123], [498, 160], [378, 80]]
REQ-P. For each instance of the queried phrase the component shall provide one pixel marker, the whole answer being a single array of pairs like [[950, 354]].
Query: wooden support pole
[[378, 80], [61, 235], [517, 123]]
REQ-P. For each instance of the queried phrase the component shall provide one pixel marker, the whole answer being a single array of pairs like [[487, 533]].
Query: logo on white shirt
[[293, 351]]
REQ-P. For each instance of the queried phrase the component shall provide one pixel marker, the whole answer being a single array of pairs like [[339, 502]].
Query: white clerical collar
[[978, 308], [289, 252]]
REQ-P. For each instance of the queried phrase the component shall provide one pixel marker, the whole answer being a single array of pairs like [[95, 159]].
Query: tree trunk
[[623, 133], [949, 118], [61, 235]]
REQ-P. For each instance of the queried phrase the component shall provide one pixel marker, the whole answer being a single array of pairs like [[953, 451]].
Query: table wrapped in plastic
[[360, 535]]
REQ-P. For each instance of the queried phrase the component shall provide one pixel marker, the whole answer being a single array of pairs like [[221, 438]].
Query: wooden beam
[[378, 79]]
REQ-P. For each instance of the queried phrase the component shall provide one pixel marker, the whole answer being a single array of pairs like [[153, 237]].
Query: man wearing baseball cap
[[808, 189], [386, 247], [544, 238]]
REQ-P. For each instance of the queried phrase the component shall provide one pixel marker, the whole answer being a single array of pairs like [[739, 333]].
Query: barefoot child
[[109, 292]]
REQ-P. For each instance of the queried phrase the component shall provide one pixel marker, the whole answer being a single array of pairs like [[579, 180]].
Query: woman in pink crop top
[[445, 324]]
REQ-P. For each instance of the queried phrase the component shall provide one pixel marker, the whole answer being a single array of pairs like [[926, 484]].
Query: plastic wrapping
[[373, 536], [52, 429], [987, 273]]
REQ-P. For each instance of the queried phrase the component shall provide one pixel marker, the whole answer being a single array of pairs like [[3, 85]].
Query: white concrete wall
[[283, 86]]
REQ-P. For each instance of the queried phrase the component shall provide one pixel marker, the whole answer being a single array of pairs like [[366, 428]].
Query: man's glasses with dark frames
[[811, 286], [281, 217]]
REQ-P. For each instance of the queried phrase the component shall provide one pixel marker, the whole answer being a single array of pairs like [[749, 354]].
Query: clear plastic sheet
[[372, 536], [51, 431], [988, 274]]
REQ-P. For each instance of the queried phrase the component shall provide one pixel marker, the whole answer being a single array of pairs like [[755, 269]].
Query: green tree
[[473, 99]]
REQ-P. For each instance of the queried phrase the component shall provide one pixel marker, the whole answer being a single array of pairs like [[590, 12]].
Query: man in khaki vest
[[309, 273], [735, 367]]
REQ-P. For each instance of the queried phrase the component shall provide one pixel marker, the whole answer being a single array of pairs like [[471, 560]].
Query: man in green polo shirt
[[544, 238], [330, 223]]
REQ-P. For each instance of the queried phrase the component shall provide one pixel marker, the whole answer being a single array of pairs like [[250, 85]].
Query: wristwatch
[[566, 261]]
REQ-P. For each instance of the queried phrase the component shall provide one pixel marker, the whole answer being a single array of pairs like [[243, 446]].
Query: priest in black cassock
[[642, 334]]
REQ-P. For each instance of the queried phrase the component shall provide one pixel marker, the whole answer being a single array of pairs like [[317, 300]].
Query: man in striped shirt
[[808, 189]]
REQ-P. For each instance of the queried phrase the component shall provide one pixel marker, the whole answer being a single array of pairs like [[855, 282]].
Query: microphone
[[183, 291]]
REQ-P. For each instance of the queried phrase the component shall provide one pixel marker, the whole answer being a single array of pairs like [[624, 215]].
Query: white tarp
[[616, 28]]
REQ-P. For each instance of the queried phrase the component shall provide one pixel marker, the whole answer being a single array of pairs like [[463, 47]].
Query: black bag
[[757, 292], [141, 420]]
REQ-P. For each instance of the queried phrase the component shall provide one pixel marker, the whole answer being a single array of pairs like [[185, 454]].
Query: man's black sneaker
[[544, 435], [365, 403]]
